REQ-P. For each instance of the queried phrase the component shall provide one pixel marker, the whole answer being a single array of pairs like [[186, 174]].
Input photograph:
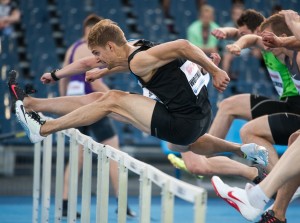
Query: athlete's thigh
[[237, 105], [260, 127], [81, 99], [134, 109]]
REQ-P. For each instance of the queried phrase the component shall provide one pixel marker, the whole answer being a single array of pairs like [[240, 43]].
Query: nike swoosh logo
[[22, 108], [13, 86], [230, 194]]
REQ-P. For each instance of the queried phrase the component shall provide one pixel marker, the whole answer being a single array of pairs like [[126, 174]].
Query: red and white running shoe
[[236, 197]]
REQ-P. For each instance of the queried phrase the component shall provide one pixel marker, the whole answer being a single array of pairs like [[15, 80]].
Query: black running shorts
[[261, 105], [283, 125], [283, 115], [177, 130], [100, 130]]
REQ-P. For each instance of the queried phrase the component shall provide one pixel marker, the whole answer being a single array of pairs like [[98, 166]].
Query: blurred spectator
[[200, 3], [165, 4], [9, 14], [229, 61], [199, 32], [275, 9], [169, 20], [234, 2]]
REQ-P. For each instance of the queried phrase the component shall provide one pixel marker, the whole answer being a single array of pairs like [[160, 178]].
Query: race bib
[[194, 76], [76, 88], [277, 81]]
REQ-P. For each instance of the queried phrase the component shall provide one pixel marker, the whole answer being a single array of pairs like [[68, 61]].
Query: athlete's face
[[244, 30], [103, 55]]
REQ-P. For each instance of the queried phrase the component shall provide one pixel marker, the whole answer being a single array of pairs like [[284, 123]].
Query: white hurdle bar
[[171, 186]]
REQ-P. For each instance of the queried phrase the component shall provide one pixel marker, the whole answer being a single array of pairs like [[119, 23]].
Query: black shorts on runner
[[100, 130], [261, 105], [283, 115], [177, 130], [282, 126]]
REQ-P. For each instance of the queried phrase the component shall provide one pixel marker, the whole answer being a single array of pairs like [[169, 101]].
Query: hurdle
[[170, 186]]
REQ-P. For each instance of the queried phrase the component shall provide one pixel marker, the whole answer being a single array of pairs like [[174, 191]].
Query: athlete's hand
[[94, 74], [271, 40], [215, 57], [234, 49], [291, 17], [219, 34], [47, 79], [220, 80]]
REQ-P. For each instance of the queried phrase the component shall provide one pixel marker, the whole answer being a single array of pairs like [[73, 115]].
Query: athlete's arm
[[291, 42], [226, 33], [145, 62], [216, 59], [98, 85], [94, 74], [77, 67], [272, 41], [292, 19], [157, 56], [246, 41]]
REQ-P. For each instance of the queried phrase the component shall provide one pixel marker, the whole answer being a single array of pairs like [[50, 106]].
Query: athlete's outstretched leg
[[135, 109], [217, 165], [59, 105], [209, 145]]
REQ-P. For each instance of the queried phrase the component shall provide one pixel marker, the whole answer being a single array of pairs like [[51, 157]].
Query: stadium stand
[[47, 27]]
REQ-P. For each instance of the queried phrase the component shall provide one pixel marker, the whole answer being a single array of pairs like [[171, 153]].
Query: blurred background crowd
[[35, 34]]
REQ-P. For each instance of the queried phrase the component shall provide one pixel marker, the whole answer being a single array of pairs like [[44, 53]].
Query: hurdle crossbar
[[171, 187]]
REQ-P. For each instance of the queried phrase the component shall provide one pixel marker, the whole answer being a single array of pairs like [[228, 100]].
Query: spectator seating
[[147, 16]]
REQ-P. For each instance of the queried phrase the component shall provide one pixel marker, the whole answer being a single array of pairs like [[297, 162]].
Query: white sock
[[257, 197]]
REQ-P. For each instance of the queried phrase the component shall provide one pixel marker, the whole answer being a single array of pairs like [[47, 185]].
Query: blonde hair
[[104, 31], [278, 25]]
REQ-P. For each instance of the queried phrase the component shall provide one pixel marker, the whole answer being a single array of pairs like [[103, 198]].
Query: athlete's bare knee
[[247, 131], [293, 137], [227, 106], [108, 100]]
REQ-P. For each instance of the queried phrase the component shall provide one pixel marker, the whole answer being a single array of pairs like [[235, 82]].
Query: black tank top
[[175, 88], [293, 68]]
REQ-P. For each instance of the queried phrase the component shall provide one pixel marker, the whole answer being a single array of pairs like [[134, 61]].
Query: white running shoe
[[236, 197], [256, 153], [31, 122]]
